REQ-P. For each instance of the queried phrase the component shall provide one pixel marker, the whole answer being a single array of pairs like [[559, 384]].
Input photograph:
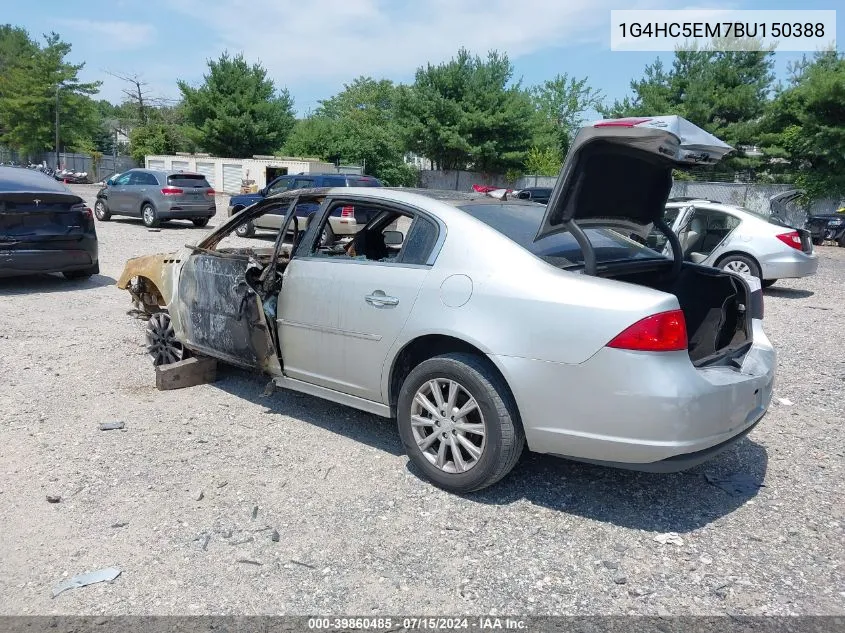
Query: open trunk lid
[[618, 172], [27, 218]]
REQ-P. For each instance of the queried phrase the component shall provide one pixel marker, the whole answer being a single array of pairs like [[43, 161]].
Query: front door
[[341, 310], [222, 316], [118, 193]]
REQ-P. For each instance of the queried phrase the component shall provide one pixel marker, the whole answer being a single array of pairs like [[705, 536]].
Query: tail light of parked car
[[210, 192], [662, 332], [347, 214], [172, 191], [792, 238]]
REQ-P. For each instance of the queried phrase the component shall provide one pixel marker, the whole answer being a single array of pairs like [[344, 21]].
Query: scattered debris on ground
[[83, 580], [669, 538], [117, 425], [53, 499]]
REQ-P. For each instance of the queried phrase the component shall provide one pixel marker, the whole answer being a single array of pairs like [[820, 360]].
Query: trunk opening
[[716, 306]]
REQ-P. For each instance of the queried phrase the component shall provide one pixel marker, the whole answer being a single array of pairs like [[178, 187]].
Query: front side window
[[392, 236], [282, 184], [302, 183]]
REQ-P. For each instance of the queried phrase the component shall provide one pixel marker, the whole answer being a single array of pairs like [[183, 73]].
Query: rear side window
[[419, 242], [147, 179], [188, 180]]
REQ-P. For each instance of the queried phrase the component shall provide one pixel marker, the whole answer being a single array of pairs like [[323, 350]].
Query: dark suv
[[345, 222]]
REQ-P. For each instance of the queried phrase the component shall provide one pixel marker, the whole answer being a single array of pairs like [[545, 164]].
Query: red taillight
[[347, 212], [172, 191], [629, 122], [663, 332], [793, 239], [87, 213], [209, 192]]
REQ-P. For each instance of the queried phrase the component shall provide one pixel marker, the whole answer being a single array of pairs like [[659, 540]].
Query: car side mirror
[[393, 238]]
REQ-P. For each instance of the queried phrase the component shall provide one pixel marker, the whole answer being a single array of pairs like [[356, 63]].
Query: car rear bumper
[[645, 411], [343, 226], [183, 210], [14, 263], [789, 264]]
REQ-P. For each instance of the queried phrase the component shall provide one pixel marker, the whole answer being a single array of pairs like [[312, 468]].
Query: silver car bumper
[[636, 409], [789, 264]]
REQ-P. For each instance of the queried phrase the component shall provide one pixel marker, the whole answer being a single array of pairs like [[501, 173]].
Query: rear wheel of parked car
[[459, 423], [162, 343], [818, 241], [102, 211], [841, 241], [247, 229], [740, 264], [200, 222], [327, 237], [149, 216], [768, 283]]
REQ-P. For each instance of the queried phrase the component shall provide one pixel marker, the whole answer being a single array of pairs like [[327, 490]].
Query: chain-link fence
[[98, 170]]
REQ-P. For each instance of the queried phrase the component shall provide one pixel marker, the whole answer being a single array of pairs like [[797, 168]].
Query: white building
[[227, 174]]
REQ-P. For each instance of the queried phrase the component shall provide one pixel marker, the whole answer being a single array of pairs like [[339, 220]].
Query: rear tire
[[327, 237], [841, 240], [245, 230], [200, 222], [740, 264], [497, 438], [768, 283], [149, 216], [818, 241], [101, 211]]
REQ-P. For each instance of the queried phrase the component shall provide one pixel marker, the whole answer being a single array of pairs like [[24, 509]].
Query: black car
[[540, 195], [830, 226], [44, 227]]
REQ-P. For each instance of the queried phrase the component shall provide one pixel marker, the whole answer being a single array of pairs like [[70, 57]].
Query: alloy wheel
[[162, 343], [737, 266], [448, 426]]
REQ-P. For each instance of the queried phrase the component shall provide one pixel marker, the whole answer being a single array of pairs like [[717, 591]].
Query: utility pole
[[57, 127]]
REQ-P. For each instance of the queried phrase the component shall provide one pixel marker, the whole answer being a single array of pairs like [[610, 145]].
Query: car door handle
[[380, 300]]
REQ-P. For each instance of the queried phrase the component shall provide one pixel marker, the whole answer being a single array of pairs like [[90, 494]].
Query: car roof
[[405, 194], [23, 179]]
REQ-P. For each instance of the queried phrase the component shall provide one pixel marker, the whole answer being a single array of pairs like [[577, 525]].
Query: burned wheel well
[[420, 350], [146, 294]]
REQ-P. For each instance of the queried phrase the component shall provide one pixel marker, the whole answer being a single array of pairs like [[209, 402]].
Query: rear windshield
[[520, 222], [188, 180]]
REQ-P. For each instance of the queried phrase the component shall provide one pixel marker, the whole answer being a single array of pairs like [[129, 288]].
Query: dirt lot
[[171, 500]]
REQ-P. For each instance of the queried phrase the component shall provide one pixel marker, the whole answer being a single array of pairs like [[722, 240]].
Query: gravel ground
[[172, 499]]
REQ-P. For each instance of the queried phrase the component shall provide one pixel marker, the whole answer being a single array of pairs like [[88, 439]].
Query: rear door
[[339, 315]]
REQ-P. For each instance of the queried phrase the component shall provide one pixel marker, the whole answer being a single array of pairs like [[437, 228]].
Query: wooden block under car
[[186, 373]]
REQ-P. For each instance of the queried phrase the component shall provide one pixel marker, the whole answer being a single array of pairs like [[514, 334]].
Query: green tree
[[237, 111], [560, 104], [34, 80], [804, 128], [467, 113], [543, 161], [357, 125]]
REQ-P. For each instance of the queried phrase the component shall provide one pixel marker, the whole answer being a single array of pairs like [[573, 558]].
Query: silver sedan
[[738, 240], [485, 325]]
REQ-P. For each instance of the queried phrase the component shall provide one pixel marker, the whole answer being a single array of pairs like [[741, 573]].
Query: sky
[[314, 47]]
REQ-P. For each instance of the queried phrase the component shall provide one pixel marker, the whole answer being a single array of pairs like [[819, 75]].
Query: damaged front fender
[[149, 280]]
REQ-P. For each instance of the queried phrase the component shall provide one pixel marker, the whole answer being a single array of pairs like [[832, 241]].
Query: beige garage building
[[228, 174]]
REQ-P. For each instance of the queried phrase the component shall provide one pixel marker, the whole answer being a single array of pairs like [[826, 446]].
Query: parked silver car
[[735, 239], [483, 325], [156, 196]]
